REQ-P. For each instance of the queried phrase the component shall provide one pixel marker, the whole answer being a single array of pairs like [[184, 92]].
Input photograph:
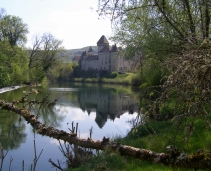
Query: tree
[[43, 55], [173, 157], [13, 64], [188, 89], [62, 71], [158, 28], [2, 12], [187, 19], [174, 33], [12, 29]]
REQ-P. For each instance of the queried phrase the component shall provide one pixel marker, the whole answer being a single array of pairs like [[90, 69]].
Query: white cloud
[[68, 111], [55, 142]]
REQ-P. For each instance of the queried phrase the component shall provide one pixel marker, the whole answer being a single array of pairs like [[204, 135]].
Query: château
[[109, 58]]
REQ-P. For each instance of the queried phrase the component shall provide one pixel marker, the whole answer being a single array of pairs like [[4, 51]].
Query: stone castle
[[109, 58]]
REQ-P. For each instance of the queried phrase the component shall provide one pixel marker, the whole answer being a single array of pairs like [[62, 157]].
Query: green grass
[[125, 79], [114, 162], [145, 137], [111, 162], [165, 131]]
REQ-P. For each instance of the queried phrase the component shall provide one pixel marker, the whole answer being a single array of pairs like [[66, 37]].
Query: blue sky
[[73, 21]]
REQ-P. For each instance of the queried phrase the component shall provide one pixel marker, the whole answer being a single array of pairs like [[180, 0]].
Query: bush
[[114, 74]]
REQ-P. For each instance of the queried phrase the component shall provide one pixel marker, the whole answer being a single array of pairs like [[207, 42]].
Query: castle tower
[[90, 51], [102, 44]]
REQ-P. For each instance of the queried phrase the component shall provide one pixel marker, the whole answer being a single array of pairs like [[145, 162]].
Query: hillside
[[69, 54]]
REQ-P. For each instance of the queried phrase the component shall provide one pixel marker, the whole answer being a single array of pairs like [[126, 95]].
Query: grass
[[125, 79], [114, 162], [164, 135], [145, 137]]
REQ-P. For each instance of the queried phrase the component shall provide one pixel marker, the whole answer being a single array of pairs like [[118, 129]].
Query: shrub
[[114, 74]]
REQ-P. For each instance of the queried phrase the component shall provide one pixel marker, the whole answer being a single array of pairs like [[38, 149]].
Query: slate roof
[[104, 50], [77, 58], [84, 53], [92, 58], [90, 49], [114, 48], [102, 40]]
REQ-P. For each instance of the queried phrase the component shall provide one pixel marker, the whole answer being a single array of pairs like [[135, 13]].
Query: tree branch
[[172, 158]]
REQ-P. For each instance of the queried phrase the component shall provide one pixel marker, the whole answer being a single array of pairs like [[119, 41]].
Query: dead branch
[[172, 158]]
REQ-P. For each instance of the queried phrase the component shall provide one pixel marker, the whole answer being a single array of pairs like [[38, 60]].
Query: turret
[[90, 51], [102, 43]]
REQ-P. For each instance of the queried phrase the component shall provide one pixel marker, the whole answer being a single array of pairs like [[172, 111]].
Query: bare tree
[[2, 13], [44, 51]]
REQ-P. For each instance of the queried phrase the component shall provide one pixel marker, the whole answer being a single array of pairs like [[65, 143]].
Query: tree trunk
[[172, 158]]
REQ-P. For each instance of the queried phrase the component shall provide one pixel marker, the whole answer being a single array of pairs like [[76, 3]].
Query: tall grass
[[114, 162], [125, 79], [155, 136]]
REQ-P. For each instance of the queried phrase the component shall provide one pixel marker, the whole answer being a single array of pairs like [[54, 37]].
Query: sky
[[75, 22]]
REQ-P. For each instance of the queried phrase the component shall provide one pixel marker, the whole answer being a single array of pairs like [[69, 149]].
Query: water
[[105, 108]]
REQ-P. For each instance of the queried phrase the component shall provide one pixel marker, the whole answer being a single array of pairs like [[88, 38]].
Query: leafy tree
[[157, 28], [43, 55], [13, 30], [187, 19], [61, 72], [13, 64], [189, 85], [174, 37]]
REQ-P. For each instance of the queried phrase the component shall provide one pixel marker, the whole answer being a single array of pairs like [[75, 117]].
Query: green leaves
[[13, 65], [13, 30]]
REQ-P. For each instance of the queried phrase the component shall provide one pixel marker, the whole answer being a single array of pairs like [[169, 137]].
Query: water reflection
[[107, 105], [97, 106], [11, 130], [48, 115], [108, 102]]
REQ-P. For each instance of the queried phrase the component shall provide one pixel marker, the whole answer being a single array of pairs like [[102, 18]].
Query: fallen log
[[172, 157]]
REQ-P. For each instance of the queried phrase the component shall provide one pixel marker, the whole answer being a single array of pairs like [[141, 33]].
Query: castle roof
[[104, 49], [102, 40], [84, 53], [77, 58], [114, 48], [90, 49], [92, 58]]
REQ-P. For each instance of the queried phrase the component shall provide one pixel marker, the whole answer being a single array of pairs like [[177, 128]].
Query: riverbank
[[6, 89], [144, 136], [123, 79]]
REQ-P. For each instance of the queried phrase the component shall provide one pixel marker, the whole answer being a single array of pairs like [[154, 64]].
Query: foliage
[[125, 79], [151, 73], [189, 83], [114, 75], [113, 162], [62, 71], [183, 20], [158, 29], [43, 55], [158, 135], [13, 30], [13, 65]]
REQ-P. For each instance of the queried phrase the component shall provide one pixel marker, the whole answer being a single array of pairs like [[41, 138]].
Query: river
[[105, 108]]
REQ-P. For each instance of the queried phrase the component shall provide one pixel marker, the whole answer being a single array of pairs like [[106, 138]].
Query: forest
[[21, 65]]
